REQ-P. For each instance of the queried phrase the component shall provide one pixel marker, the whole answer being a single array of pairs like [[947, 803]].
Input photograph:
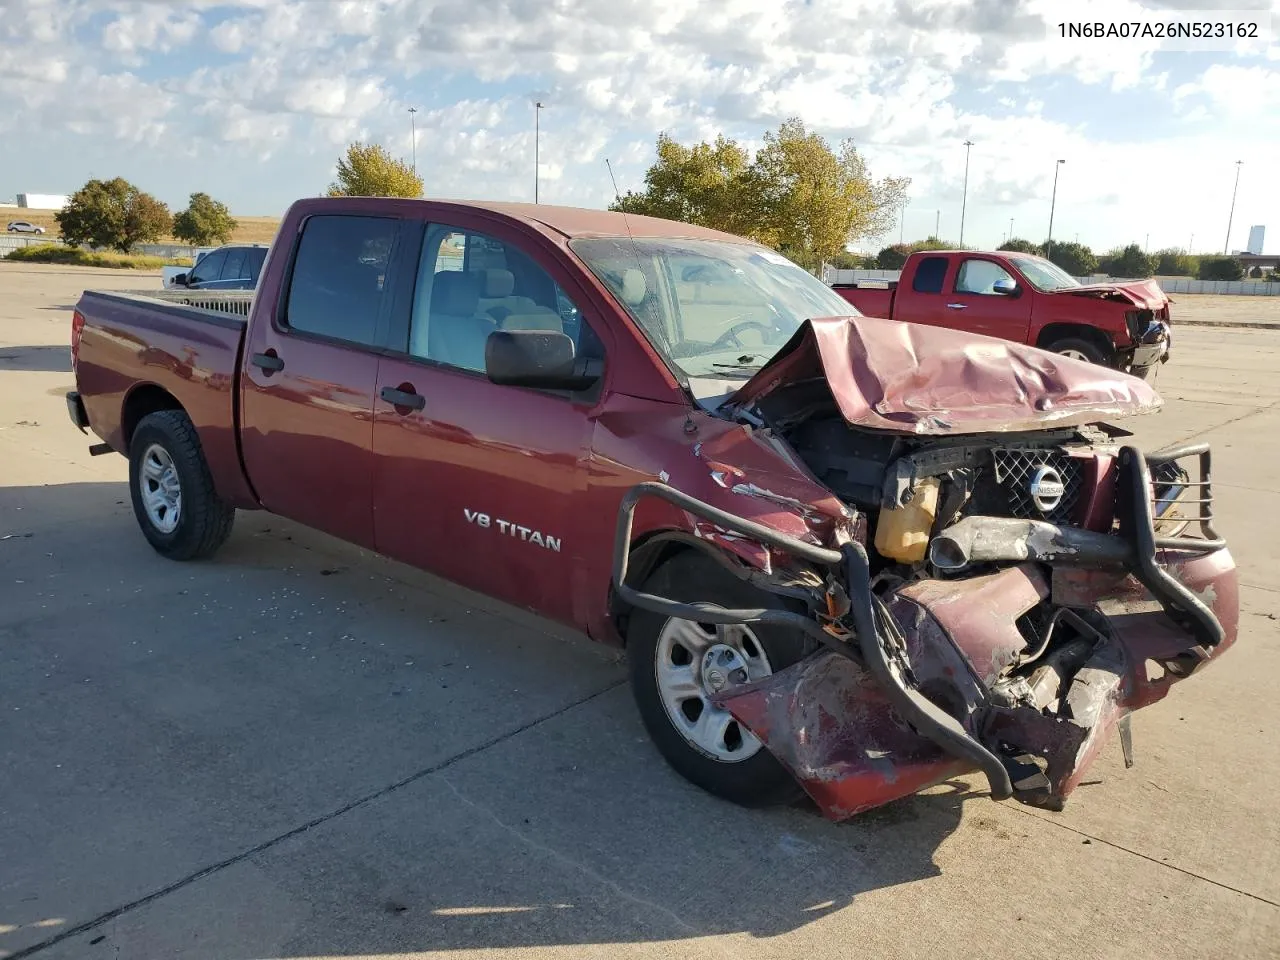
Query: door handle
[[957, 306], [403, 398], [268, 362]]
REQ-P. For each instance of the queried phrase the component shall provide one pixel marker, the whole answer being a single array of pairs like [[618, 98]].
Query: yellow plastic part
[[903, 534]]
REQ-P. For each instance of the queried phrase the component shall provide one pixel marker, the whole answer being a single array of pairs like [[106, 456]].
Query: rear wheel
[[173, 497], [1077, 348], [677, 665]]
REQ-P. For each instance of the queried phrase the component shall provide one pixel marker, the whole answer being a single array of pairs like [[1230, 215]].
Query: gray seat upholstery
[[456, 331]]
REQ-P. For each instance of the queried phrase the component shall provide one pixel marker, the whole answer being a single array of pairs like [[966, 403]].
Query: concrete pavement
[[300, 750]]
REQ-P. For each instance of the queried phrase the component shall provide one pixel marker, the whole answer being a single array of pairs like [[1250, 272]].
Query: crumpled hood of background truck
[[922, 380]]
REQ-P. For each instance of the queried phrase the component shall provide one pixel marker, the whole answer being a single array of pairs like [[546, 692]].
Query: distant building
[[42, 201], [1255, 239]]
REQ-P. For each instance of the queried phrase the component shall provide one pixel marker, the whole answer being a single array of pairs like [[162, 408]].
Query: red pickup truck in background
[[1029, 300], [858, 554]]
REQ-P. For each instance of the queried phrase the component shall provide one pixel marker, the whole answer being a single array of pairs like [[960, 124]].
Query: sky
[[253, 101]]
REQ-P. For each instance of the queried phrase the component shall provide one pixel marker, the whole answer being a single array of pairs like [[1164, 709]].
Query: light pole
[[902, 222], [1232, 214], [413, 137], [1010, 236], [1048, 244], [537, 135], [964, 197], [937, 225], [1191, 244]]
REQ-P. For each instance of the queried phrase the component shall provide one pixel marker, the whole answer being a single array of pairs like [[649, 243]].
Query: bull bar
[[866, 615]]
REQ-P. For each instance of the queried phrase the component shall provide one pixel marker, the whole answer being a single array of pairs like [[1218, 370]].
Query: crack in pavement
[[303, 828], [1226, 423], [1137, 853]]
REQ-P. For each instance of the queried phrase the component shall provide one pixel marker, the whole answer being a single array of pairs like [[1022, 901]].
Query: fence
[[1170, 285], [10, 242]]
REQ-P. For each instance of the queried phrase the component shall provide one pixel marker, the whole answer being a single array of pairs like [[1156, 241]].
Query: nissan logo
[[1046, 488]]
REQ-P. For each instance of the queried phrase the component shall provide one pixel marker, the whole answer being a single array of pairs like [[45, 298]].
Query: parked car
[[1027, 299], [233, 267], [24, 226], [850, 553]]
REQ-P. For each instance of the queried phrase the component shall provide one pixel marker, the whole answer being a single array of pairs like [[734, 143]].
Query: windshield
[[1044, 275], [714, 308]]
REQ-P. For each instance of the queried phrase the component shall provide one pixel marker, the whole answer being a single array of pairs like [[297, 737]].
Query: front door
[[974, 304], [474, 481], [309, 372]]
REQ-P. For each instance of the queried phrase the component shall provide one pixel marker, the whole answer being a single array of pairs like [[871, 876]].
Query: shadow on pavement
[[301, 749], [51, 358]]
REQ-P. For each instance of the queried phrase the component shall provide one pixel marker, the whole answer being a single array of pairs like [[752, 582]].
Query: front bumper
[[905, 693], [1151, 346]]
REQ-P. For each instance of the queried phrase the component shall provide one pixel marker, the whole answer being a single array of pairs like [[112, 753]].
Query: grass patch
[[73, 256]]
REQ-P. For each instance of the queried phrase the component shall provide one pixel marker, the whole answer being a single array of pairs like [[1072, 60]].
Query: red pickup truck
[[1029, 300], [846, 553]]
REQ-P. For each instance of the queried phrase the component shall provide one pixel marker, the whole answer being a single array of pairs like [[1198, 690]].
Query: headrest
[[498, 283], [534, 318], [455, 292], [634, 286]]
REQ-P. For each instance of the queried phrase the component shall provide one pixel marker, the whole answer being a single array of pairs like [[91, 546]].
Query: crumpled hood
[[922, 380], [1144, 294]]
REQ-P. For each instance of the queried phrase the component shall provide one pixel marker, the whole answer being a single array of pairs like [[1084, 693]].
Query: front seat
[[456, 331]]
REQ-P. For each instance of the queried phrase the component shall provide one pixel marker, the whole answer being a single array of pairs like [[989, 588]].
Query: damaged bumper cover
[[913, 685]]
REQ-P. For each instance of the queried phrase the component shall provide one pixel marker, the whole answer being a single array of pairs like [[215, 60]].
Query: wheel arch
[[141, 400], [1050, 333]]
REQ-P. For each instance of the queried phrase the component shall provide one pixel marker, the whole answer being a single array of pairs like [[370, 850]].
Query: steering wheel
[[730, 337]]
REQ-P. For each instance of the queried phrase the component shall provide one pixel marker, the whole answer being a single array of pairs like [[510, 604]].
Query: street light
[[937, 225], [1232, 214], [964, 197], [902, 222], [1048, 244], [413, 136], [537, 135], [1010, 236]]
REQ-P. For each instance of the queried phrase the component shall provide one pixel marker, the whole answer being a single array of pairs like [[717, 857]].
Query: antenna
[[618, 196]]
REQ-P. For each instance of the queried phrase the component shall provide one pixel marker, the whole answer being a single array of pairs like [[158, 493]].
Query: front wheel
[[175, 504], [677, 665], [1077, 348]]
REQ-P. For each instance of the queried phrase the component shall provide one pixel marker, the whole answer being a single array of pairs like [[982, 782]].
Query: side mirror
[[537, 358], [180, 280], [1005, 287]]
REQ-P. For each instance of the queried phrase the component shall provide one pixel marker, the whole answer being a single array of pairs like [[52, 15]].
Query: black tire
[[204, 521], [1086, 348], [759, 780]]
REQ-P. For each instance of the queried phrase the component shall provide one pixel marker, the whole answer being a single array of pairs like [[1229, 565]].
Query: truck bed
[[871, 301], [185, 344]]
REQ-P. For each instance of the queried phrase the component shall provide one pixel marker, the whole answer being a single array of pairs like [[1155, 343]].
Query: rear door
[[922, 300], [475, 481], [309, 372], [974, 305]]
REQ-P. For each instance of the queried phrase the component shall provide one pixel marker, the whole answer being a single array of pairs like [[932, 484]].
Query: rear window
[[929, 275], [340, 276]]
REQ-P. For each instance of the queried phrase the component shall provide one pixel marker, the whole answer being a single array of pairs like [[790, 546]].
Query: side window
[[339, 276], [257, 257], [930, 274], [208, 268], [234, 268], [470, 285], [978, 276]]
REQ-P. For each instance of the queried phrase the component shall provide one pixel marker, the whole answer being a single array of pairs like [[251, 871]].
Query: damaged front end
[[1003, 638]]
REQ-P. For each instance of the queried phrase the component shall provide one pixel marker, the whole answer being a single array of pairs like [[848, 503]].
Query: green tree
[[1171, 262], [704, 184], [1221, 268], [1075, 258], [368, 170], [1128, 263], [112, 213], [931, 243], [797, 194], [1255, 273], [205, 223], [892, 258], [1018, 245]]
